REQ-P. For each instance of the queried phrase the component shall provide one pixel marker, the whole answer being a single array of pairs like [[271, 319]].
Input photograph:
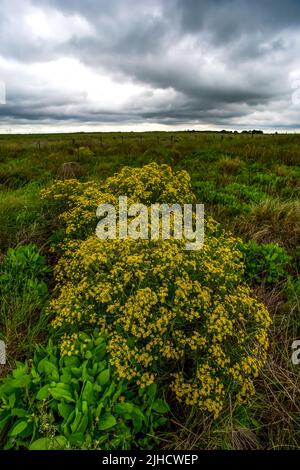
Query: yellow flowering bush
[[149, 184], [184, 317]]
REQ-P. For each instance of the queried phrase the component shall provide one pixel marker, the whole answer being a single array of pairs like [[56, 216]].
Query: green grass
[[23, 294]]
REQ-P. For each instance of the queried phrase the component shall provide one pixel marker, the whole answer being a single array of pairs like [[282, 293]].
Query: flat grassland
[[250, 183]]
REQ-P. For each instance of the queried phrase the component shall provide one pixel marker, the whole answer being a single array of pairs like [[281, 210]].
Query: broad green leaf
[[47, 443], [103, 377], [107, 421], [88, 393], [19, 427], [60, 394], [72, 361], [19, 412], [43, 393], [49, 369], [76, 438], [65, 410], [124, 408], [160, 406], [151, 391]]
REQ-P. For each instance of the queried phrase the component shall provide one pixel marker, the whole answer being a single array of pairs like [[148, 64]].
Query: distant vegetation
[[53, 394]]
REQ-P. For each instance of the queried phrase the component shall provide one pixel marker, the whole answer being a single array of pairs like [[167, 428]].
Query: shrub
[[149, 184], [170, 314], [235, 197], [84, 154], [265, 262], [24, 268], [76, 401]]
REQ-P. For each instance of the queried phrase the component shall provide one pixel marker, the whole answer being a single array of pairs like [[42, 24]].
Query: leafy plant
[[265, 262], [23, 294], [24, 268], [76, 401]]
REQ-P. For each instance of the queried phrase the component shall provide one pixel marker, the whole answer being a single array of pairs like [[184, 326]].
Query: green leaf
[[151, 391], [88, 354], [138, 419], [106, 422], [124, 408], [72, 361], [66, 377], [76, 438], [160, 406], [84, 407], [76, 371], [83, 424], [65, 410], [49, 369], [19, 427], [76, 421], [47, 443], [60, 394], [19, 412], [103, 377], [98, 410], [12, 400], [43, 393], [88, 393]]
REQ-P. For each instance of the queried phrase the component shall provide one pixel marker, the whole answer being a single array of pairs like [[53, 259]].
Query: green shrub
[[235, 197], [84, 154], [76, 401], [23, 268], [265, 262]]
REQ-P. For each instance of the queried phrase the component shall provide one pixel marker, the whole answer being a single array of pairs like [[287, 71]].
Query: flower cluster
[[170, 314]]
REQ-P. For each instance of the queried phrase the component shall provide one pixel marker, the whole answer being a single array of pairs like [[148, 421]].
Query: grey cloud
[[223, 59]]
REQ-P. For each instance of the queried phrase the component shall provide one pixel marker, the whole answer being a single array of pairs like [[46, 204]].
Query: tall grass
[[23, 293]]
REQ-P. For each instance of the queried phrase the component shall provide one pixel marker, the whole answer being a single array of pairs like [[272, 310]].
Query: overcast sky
[[149, 64]]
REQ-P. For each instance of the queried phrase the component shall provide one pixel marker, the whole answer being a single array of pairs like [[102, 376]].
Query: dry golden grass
[[275, 221], [230, 166]]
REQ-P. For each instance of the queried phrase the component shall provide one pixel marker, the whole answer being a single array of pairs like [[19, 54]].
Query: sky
[[129, 65]]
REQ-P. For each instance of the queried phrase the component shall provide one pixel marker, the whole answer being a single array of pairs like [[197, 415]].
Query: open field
[[249, 183]]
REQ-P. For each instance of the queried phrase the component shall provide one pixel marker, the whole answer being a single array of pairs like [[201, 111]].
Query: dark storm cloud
[[220, 62]]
